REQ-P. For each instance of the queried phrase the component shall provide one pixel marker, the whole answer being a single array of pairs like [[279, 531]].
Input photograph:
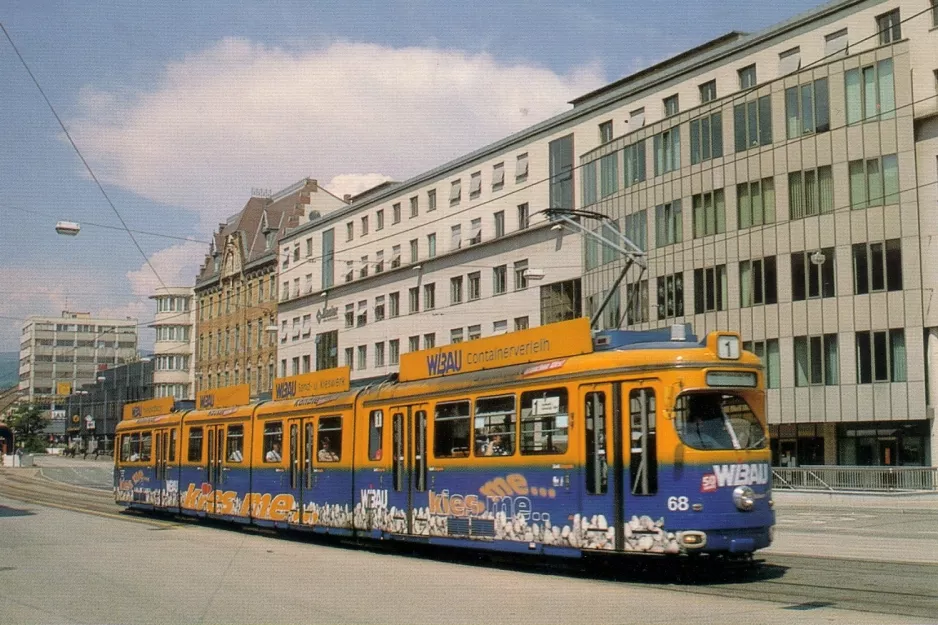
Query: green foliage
[[28, 427]]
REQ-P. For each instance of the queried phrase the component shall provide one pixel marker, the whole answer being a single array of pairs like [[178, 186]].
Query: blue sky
[[181, 108]]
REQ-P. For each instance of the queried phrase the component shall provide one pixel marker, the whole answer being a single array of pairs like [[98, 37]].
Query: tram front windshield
[[717, 420]]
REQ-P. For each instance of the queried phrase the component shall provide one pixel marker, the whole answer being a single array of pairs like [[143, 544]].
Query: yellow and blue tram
[[547, 440]]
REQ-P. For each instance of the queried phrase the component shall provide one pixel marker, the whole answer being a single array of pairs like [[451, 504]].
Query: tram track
[[800, 583]]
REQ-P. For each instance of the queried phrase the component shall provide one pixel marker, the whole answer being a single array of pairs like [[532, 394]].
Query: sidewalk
[[918, 502]]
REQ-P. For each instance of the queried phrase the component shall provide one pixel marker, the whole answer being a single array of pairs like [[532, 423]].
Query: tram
[[549, 440]]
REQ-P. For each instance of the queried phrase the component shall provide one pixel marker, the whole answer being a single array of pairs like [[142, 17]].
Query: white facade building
[[174, 325], [778, 182], [58, 355]]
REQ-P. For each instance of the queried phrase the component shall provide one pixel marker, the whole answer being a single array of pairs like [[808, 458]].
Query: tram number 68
[[678, 504]]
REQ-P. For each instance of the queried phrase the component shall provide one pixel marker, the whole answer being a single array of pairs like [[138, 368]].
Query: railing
[[876, 479]]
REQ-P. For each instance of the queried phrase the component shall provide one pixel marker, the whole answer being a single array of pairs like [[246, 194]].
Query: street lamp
[[103, 381]]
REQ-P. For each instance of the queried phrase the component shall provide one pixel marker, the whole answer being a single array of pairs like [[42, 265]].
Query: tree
[[28, 427]]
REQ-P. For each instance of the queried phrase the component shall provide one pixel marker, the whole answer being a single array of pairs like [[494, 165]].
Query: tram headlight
[[744, 498]]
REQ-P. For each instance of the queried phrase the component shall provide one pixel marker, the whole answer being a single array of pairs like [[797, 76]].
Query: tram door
[[164, 456], [603, 492], [409, 465], [301, 433], [214, 474]]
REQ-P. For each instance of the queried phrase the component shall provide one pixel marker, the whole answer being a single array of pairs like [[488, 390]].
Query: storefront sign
[[324, 382], [224, 397]]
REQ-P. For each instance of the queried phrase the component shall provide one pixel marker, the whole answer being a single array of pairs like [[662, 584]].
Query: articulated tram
[[548, 440]]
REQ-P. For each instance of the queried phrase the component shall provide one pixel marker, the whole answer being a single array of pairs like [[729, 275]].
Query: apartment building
[[174, 326], [236, 289], [60, 354], [783, 185]]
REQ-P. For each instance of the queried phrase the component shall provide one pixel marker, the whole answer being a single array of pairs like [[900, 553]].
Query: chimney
[[347, 198]]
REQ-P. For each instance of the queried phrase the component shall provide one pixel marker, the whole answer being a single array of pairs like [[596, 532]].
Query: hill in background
[[9, 369]]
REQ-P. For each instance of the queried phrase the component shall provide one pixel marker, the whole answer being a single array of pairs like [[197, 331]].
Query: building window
[[475, 185], [395, 257], [499, 279], [669, 224], [609, 174], [671, 106], [364, 225], [455, 335], [807, 109], [394, 305], [396, 213], [431, 245], [455, 290], [810, 192], [667, 151], [521, 323], [870, 92], [523, 218], [758, 282], [379, 261], [413, 343], [637, 309], [413, 250], [812, 274], [350, 231], [637, 118], [394, 352], [294, 367], [561, 172], [379, 220], [890, 27], [362, 357], [877, 267], [500, 327], [379, 354], [755, 202], [874, 182], [521, 168], [363, 271], [521, 278], [413, 297], [709, 213], [671, 296], [636, 229], [706, 138], [431, 200], [414, 207], [328, 258], [771, 359], [349, 270], [560, 301], [475, 332], [362, 317], [455, 192], [752, 123], [498, 176], [789, 61], [634, 163], [429, 296], [475, 231], [710, 289], [429, 340], [379, 308], [747, 77], [881, 356], [816, 360], [836, 44], [605, 132], [475, 285], [499, 224], [708, 91], [455, 237]]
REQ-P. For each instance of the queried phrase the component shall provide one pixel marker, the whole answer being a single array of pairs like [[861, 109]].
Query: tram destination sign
[[224, 397], [555, 340], [324, 382]]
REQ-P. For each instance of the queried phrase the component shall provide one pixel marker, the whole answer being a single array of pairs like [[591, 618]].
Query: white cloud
[[174, 266], [239, 115], [353, 184]]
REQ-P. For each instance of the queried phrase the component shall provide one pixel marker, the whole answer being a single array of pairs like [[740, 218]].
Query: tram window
[[234, 443], [495, 420], [330, 439], [172, 445], [713, 420], [195, 445], [643, 453], [545, 421], [451, 430], [273, 442], [126, 441], [597, 469], [146, 445], [375, 434]]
